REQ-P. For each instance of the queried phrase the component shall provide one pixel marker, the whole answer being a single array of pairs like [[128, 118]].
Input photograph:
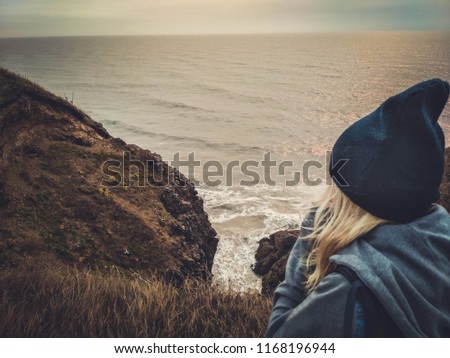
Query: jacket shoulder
[[321, 314]]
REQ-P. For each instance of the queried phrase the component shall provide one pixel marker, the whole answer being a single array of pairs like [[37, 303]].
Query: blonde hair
[[337, 222]]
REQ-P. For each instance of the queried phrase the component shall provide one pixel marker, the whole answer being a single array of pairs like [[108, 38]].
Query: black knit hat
[[391, 162]]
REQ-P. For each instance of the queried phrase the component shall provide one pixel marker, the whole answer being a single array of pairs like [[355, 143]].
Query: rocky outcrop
[[273, 251], [271, 257], [445, 185], [68, 193]]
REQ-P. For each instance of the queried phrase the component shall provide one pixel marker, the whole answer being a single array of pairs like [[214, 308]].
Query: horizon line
[[328, 32]]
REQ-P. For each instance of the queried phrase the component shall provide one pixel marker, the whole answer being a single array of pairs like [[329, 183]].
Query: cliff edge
[[57, 202]]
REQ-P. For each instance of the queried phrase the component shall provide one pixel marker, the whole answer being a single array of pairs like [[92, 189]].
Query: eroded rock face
[[60, 201], [445, 185], [271, 257]]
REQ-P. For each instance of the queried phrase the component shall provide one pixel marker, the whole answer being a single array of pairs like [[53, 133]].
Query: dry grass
[[49, 302]]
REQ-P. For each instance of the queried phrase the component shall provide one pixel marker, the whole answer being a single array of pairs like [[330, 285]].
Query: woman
[[377, 220]]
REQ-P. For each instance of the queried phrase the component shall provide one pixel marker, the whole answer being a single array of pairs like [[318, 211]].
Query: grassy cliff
[[57, 301], [60, 202], [84, 253]]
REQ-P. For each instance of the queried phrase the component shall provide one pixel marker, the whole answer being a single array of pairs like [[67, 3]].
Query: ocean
[[257, 112]]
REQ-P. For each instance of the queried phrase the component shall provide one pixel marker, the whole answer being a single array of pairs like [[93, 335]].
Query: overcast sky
[[127, 17]]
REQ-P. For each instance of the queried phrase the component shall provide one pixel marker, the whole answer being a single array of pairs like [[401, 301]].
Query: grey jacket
[[406, 266]]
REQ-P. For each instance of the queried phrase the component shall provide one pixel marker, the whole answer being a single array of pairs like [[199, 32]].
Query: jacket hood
[[407, 266]]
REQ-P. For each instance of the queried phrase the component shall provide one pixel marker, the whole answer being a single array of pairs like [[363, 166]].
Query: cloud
[[83, 17]]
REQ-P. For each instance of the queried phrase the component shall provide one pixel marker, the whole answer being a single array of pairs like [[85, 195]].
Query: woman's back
[[377, 219], [406, 266]]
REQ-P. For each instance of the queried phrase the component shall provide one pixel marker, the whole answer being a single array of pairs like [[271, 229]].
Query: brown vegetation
[[54, 205], [79, 259], [44, 301]]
